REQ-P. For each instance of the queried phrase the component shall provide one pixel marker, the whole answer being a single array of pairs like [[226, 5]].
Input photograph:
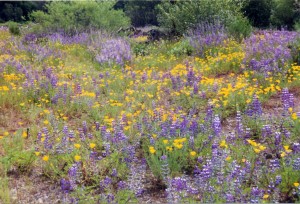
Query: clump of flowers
[[114, 51], [268, 51], [207, 36]]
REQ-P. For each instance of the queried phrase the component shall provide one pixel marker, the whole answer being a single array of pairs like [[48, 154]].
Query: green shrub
[[240, 28], [180, 16], [14, 28], [78, 16]]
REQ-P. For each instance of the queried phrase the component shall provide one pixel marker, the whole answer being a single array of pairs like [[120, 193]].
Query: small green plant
[[14, 28], [177, 153], [140, 49], [182, 48]]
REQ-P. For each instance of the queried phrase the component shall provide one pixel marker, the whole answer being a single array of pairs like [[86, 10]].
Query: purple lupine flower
[[270, 53], [209, 114], [255, 195], [84, 127], [190, 76], [277, 138], [71, 135], [216, 125], [206, 36], [65, 185], [296, 164], [239, 124], [110, 198], [114, 172], [296, 147], [274, 164], [144, 77], [74, 175], [179, 183], [122, 185], [114, 51], [165, 170], [135, 181], [195, 88], [97, 125], [229, 198], [278, 180], [266, 131], [285, 99], [47, 143], [256, 106]]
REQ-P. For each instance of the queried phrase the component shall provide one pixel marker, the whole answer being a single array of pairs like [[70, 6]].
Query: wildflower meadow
[[98, 118]]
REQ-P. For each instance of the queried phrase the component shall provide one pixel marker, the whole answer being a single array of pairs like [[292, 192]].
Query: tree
[[285, 13], [18, 11], [142, 13], [258, 12]]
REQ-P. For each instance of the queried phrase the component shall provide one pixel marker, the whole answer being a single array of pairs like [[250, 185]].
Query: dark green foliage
[[14, 28], [240, 28], [258, 12], [79, 16], [18, 10], [142, 13], [285, 13]]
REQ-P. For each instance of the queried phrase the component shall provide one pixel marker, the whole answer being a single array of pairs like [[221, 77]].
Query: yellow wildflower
[[266, 196], [178, 145], [152, 150], [193, 153], [76, 145], [24, 135], [77, 158], [294, 116], [45, 158], [296, 184], [228, 158], [92, 145], [46, 111], [261, 147], [165, 141], [257, 150], [223, 144], [37, 153]]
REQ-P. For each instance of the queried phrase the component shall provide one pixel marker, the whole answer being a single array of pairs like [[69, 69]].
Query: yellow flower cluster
[[152, 150], [257, 147]]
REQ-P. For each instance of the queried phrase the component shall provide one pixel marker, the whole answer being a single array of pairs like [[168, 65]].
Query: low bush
[[74, 17], [14, 28]]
